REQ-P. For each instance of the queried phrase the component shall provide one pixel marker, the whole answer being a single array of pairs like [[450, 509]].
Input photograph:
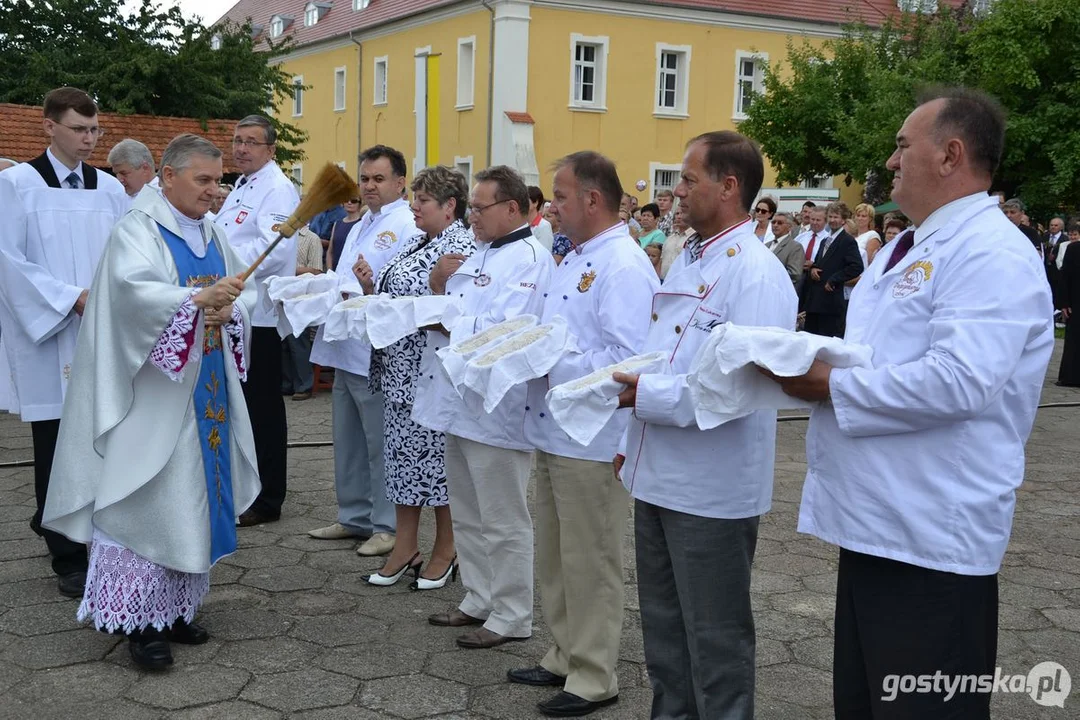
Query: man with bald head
[[914, 463]]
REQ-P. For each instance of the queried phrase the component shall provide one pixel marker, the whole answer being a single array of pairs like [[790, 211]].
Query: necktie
[[73, 181], [905, 243], [810, 247], [243, 181], [824, 248], [694, 246]]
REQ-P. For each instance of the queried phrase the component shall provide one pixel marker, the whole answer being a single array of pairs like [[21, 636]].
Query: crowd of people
[[150, 368]]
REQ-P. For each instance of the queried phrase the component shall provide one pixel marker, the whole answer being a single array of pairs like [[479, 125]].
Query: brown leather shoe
[[250, 518], [484, 638], [454, 618]]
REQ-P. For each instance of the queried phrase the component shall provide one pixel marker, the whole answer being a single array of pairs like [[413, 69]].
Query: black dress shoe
[[149, 649], [187, 633], [570, 705], [249, 518], [535, 676], [72, 585]]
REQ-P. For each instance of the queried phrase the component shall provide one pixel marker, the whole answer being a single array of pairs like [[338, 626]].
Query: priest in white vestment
[[58, 212], [155, 457]]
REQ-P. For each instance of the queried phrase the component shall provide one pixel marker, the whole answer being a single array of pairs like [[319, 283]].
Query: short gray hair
[[131, 152], [183, 147], [787, 215], [269, 133], [1016, 203]]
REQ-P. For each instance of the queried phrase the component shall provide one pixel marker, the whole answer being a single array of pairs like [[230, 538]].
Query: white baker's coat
[[604, 293], [379, 236], [725, 472], [493, 285], [51, 240], [250, 216], [919, 458]]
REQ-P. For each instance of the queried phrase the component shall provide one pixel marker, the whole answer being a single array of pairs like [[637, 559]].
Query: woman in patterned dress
[[415, 473]]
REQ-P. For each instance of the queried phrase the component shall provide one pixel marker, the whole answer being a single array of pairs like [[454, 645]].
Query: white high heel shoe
[[387, 580], [423, 583]]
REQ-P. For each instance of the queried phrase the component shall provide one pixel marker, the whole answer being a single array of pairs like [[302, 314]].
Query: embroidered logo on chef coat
[[705, 325], [385, 239], [241, 216], [482, 280], [587, 279], [913, 278], [67, 372]]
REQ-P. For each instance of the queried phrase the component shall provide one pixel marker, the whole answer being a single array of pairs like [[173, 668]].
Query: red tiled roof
[[23, 139], [341, 19], [520, 117]]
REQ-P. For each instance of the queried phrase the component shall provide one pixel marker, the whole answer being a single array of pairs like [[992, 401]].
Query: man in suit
[[1015, 211], [785, 247], [1052, 245], [836, 260]]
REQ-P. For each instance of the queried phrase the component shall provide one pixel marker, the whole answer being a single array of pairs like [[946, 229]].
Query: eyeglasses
[[479, 209], [761, 211], [240, 142], [93, 131], [354, 201]]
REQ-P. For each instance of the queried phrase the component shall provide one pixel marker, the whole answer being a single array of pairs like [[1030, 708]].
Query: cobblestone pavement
[[298, 634]]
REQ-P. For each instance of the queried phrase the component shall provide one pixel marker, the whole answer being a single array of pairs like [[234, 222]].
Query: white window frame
[[466, 74], [927, 7], [467, 161], [343, 74], [657, 167], [215, 42], [277, 26], [599, 101], [759, 59], [296, 174], [360, 4], [382, 61], [298, 96], [311, 14], [682, 81]]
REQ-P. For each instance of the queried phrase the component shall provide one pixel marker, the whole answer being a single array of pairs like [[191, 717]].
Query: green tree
[[835, 109], [147, 61]]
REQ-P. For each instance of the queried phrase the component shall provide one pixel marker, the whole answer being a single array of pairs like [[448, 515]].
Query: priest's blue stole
[[211, 397]]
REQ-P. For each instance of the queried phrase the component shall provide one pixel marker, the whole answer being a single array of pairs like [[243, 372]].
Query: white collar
[[386, 209], [941, 217], [62, 171]]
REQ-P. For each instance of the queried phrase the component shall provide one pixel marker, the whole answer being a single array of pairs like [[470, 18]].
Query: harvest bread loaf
[[513, 344], [493, 333]]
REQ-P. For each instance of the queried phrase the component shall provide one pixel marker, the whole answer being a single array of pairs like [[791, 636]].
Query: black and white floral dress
[[415, 467]]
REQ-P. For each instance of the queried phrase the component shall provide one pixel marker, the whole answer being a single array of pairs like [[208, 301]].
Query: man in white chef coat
[[359, 476], [603, 289], [914, 463], [488, 460], [264, 197], [699, 494], [58, 213]]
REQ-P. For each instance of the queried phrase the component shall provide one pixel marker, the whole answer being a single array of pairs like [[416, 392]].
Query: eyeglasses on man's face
[[91, 130], [241, 142], [479, 209]]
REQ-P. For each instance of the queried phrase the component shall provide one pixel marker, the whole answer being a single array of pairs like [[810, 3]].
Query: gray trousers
[[359, 469], [694, 592]]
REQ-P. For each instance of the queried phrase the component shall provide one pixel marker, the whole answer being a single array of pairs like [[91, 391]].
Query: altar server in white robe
[[155, 457], [914, 463], [487, 458], [699, 494], [264, 197], [58, 212], [603, 289], [8, 402]]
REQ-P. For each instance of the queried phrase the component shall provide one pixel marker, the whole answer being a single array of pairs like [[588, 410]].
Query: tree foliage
[[149, 61], [835, 109]]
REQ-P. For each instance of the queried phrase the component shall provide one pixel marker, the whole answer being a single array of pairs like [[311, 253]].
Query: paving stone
[[284, 579], [344, 559], [33, 592], [57, 709], [22, 512], [23, 548], [337, 630], [301, 690], [304, 602], [414, 696], [222, 574], [1064, 618], [785, 627], [816, 652], [475, 668], [246, 624], [814, 687], [59, 649], [235, 597], [231, 710], [792, 564], [1038, 577], [263, 557], [341, 712], [25, 569], [251, 537], [807, 604], [1011, 617], [373, 660], [510, 701], [771, 652], [306, 543], [11, 675], [41, 619], [763, 581], [76, 684], [185, 686]]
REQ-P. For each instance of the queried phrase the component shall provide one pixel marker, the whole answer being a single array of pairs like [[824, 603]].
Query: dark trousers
[[694, 591], [828, 324], [895, 619], [262, 393], [296, 372], [67, 556]]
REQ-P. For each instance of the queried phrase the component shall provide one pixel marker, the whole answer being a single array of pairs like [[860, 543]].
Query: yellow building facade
[[524, 82]]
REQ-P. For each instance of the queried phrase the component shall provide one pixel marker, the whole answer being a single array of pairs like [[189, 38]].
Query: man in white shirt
[[914, 463], [359, 477], [132, 164], [699, 494], [603, 289], [264, 197], [487, 458], [58, 213]]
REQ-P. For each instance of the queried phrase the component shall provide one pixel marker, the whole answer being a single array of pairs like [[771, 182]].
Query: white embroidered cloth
[[347, 320], [305, 300], [127, 592], [583, 407], [390, 319], [725, 383], [464, 347], [516, 359]]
